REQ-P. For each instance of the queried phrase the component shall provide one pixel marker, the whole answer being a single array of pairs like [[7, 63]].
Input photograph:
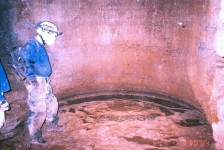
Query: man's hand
[[4, 105], [2, 118]]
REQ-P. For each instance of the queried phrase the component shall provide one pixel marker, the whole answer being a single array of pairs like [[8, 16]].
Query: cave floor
[[119, 124]]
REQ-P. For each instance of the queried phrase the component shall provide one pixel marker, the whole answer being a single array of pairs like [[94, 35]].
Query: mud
[[120, 123]]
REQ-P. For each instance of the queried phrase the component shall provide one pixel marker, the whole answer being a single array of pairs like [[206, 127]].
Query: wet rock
[[102, 125]]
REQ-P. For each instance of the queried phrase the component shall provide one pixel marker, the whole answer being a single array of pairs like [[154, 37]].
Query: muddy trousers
[[43, 105]]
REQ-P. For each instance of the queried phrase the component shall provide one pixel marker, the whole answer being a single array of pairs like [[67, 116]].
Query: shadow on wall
[[8, 38], [15, 29], [12, 13]]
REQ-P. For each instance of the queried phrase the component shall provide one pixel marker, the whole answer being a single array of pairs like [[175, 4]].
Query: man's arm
[[28, 56]]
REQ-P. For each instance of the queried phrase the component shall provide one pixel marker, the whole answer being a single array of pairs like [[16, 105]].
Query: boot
[[53, 126], [38, 141], [37, 138]]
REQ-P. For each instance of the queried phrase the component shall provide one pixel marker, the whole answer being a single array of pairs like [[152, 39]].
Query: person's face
[[50, 38]]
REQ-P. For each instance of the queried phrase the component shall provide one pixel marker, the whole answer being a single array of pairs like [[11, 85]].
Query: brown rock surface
[[123, 124]]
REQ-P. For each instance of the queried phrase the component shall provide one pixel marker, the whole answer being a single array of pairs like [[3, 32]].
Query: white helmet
[[47, 27], [47, 32]]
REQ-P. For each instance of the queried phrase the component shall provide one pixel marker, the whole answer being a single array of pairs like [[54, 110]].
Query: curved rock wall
[[160, 46]]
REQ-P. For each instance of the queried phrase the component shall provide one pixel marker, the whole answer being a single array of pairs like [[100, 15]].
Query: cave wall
[[161, 46]]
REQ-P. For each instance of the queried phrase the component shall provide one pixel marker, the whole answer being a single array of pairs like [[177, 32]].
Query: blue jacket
[[36, 59], [3, 80]]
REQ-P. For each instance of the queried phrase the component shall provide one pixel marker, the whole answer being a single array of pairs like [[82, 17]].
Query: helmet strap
[[43, 41]]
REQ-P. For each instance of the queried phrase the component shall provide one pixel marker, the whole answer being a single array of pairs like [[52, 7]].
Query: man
[[4, 87], [42, 103]]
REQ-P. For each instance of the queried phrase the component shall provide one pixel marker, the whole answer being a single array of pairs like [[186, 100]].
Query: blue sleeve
[[28, 56], [1, 97], [4, 84]]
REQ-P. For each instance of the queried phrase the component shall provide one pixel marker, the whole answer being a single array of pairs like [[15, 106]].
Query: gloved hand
[[2, 118], [4, 105], [32, 80]]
